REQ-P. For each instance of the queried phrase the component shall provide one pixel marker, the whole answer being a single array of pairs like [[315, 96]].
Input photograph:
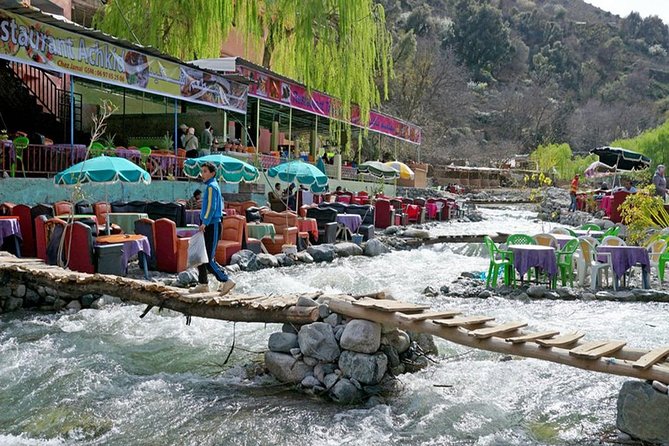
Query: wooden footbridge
[[481, 332]]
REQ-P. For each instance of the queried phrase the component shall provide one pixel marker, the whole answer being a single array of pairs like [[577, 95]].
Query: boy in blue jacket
[[210, 216]]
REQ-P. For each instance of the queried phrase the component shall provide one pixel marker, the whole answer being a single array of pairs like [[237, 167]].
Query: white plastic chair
[[612, 240], [546, 240], [588, 262], [562, 231], [655, 250]]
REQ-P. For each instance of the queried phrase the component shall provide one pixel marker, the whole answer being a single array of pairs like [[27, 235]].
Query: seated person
[[276, 193], [195, 202], [292, 197], [628, 186]]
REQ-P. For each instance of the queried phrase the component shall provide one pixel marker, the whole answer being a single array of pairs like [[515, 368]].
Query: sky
[[643, 7]]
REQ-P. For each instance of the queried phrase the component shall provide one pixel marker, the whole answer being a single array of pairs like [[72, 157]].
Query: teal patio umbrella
[[231, 170], [301, 173], [103, 170], [379, 170]]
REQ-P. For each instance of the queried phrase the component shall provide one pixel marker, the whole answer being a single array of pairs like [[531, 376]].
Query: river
[[101, 377]]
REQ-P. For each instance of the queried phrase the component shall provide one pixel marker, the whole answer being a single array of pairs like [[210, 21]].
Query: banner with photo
[[45, 46]]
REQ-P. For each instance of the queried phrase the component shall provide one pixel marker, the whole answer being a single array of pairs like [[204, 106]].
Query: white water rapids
[[106, 377]]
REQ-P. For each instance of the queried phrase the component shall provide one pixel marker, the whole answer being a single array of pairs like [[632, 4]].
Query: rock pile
[[344, 360], [502, 195], [15, 295]]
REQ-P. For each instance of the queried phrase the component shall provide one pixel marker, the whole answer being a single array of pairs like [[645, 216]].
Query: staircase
[[32, 102]]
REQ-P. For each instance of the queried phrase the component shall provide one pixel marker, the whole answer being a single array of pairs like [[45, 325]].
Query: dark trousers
[[211, 236]]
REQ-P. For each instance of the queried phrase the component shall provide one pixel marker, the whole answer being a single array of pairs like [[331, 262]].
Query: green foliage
[[339, 46], [559, 159], [643, 213], [480, 37], [653, 143]]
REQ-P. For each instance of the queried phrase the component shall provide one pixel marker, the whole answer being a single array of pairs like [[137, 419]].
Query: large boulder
[[317, 340], [367, 369], [347, 249], [345, 392], [397, 339], [267, 260], [375, 247], [304, 257], [643, 412], [285, 368], [361, 336], [416, 233], [246, 259], [282, 342], [322, 253]]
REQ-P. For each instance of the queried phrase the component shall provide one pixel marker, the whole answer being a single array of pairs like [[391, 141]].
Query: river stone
[[344, 392], [267, 260], [282, 342], [333, 319], [536, 292], [416, 233], [284, 260], [187, 277], [285, 368], [303, 301], [338, 331], [347, 249], [104, 300], [330, 379], [246, 259], [311, 362], [59, 304], [310, 381], [31, 298], [375, 247], [13, 303], [430, 291], [5, 291], [397, 339], [296, 353], [361, 336], [87, 300], [73, 305], [317, 340], [20, 290], [391, 230], [425, 342], [304, 257], [368, 369], [391, 353], [485, 294], [322, 370], [322, 253], [643, 412]]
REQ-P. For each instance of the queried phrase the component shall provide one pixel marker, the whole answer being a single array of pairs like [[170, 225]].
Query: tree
[[480, 37], [339, 46]]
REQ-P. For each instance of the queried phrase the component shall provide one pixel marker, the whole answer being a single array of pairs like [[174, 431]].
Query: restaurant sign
[[29, 41], [280, 91]]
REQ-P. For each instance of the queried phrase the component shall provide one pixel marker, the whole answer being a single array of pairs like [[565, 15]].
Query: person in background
[[206, 140], [183, 130], [572, 193], [195, 202], [191, 144], [291, 197], [338, 190], [211, 216], [660, 182]]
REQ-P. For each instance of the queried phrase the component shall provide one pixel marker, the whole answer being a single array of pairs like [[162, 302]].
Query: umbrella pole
[[107, 214]]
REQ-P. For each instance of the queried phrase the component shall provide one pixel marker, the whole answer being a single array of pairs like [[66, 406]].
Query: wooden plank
[[463, 321], [561, 341], [446, 314], [650, 358], [588, 346], [532, 337], [488, 332], [598, 352], [391, 305]]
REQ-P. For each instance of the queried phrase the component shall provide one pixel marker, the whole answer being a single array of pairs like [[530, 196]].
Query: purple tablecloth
[[9, 226], [130, 154], [187, 232], [351, 221], [562, 239], [531, 256], [193, 216], [625, 257]]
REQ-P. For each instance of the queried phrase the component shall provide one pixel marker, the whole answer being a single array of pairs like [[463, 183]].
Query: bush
[[560, 158]]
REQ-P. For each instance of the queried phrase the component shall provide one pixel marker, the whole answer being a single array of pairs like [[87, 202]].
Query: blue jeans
[[211, 241], [572, 206]]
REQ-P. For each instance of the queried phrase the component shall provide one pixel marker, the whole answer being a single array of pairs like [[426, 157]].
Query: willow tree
[[338, 46]]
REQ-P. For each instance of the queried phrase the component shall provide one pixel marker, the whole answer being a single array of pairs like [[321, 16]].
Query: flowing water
[[107, 377]]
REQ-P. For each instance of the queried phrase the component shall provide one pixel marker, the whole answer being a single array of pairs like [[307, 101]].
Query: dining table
[[625, 257], [309, 225], [11, 229], [259, 230], [133, 245], [348, 224], [534, 256], [187, 231], [588, 232], [563, 239]]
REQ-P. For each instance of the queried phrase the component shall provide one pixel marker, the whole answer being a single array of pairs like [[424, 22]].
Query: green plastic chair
[[20, 144], [663, 260], [611, 232], [565, 263], [499, 258], [520, 239], [144, 154], [97, 149], [590, 227]]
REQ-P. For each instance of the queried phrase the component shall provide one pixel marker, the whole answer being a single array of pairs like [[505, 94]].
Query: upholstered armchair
[[326, 220], [232, 238], [171, 251], [285, 225], [385, 214]]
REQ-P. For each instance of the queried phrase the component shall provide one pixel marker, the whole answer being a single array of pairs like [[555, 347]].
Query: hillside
[[488, 79]]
